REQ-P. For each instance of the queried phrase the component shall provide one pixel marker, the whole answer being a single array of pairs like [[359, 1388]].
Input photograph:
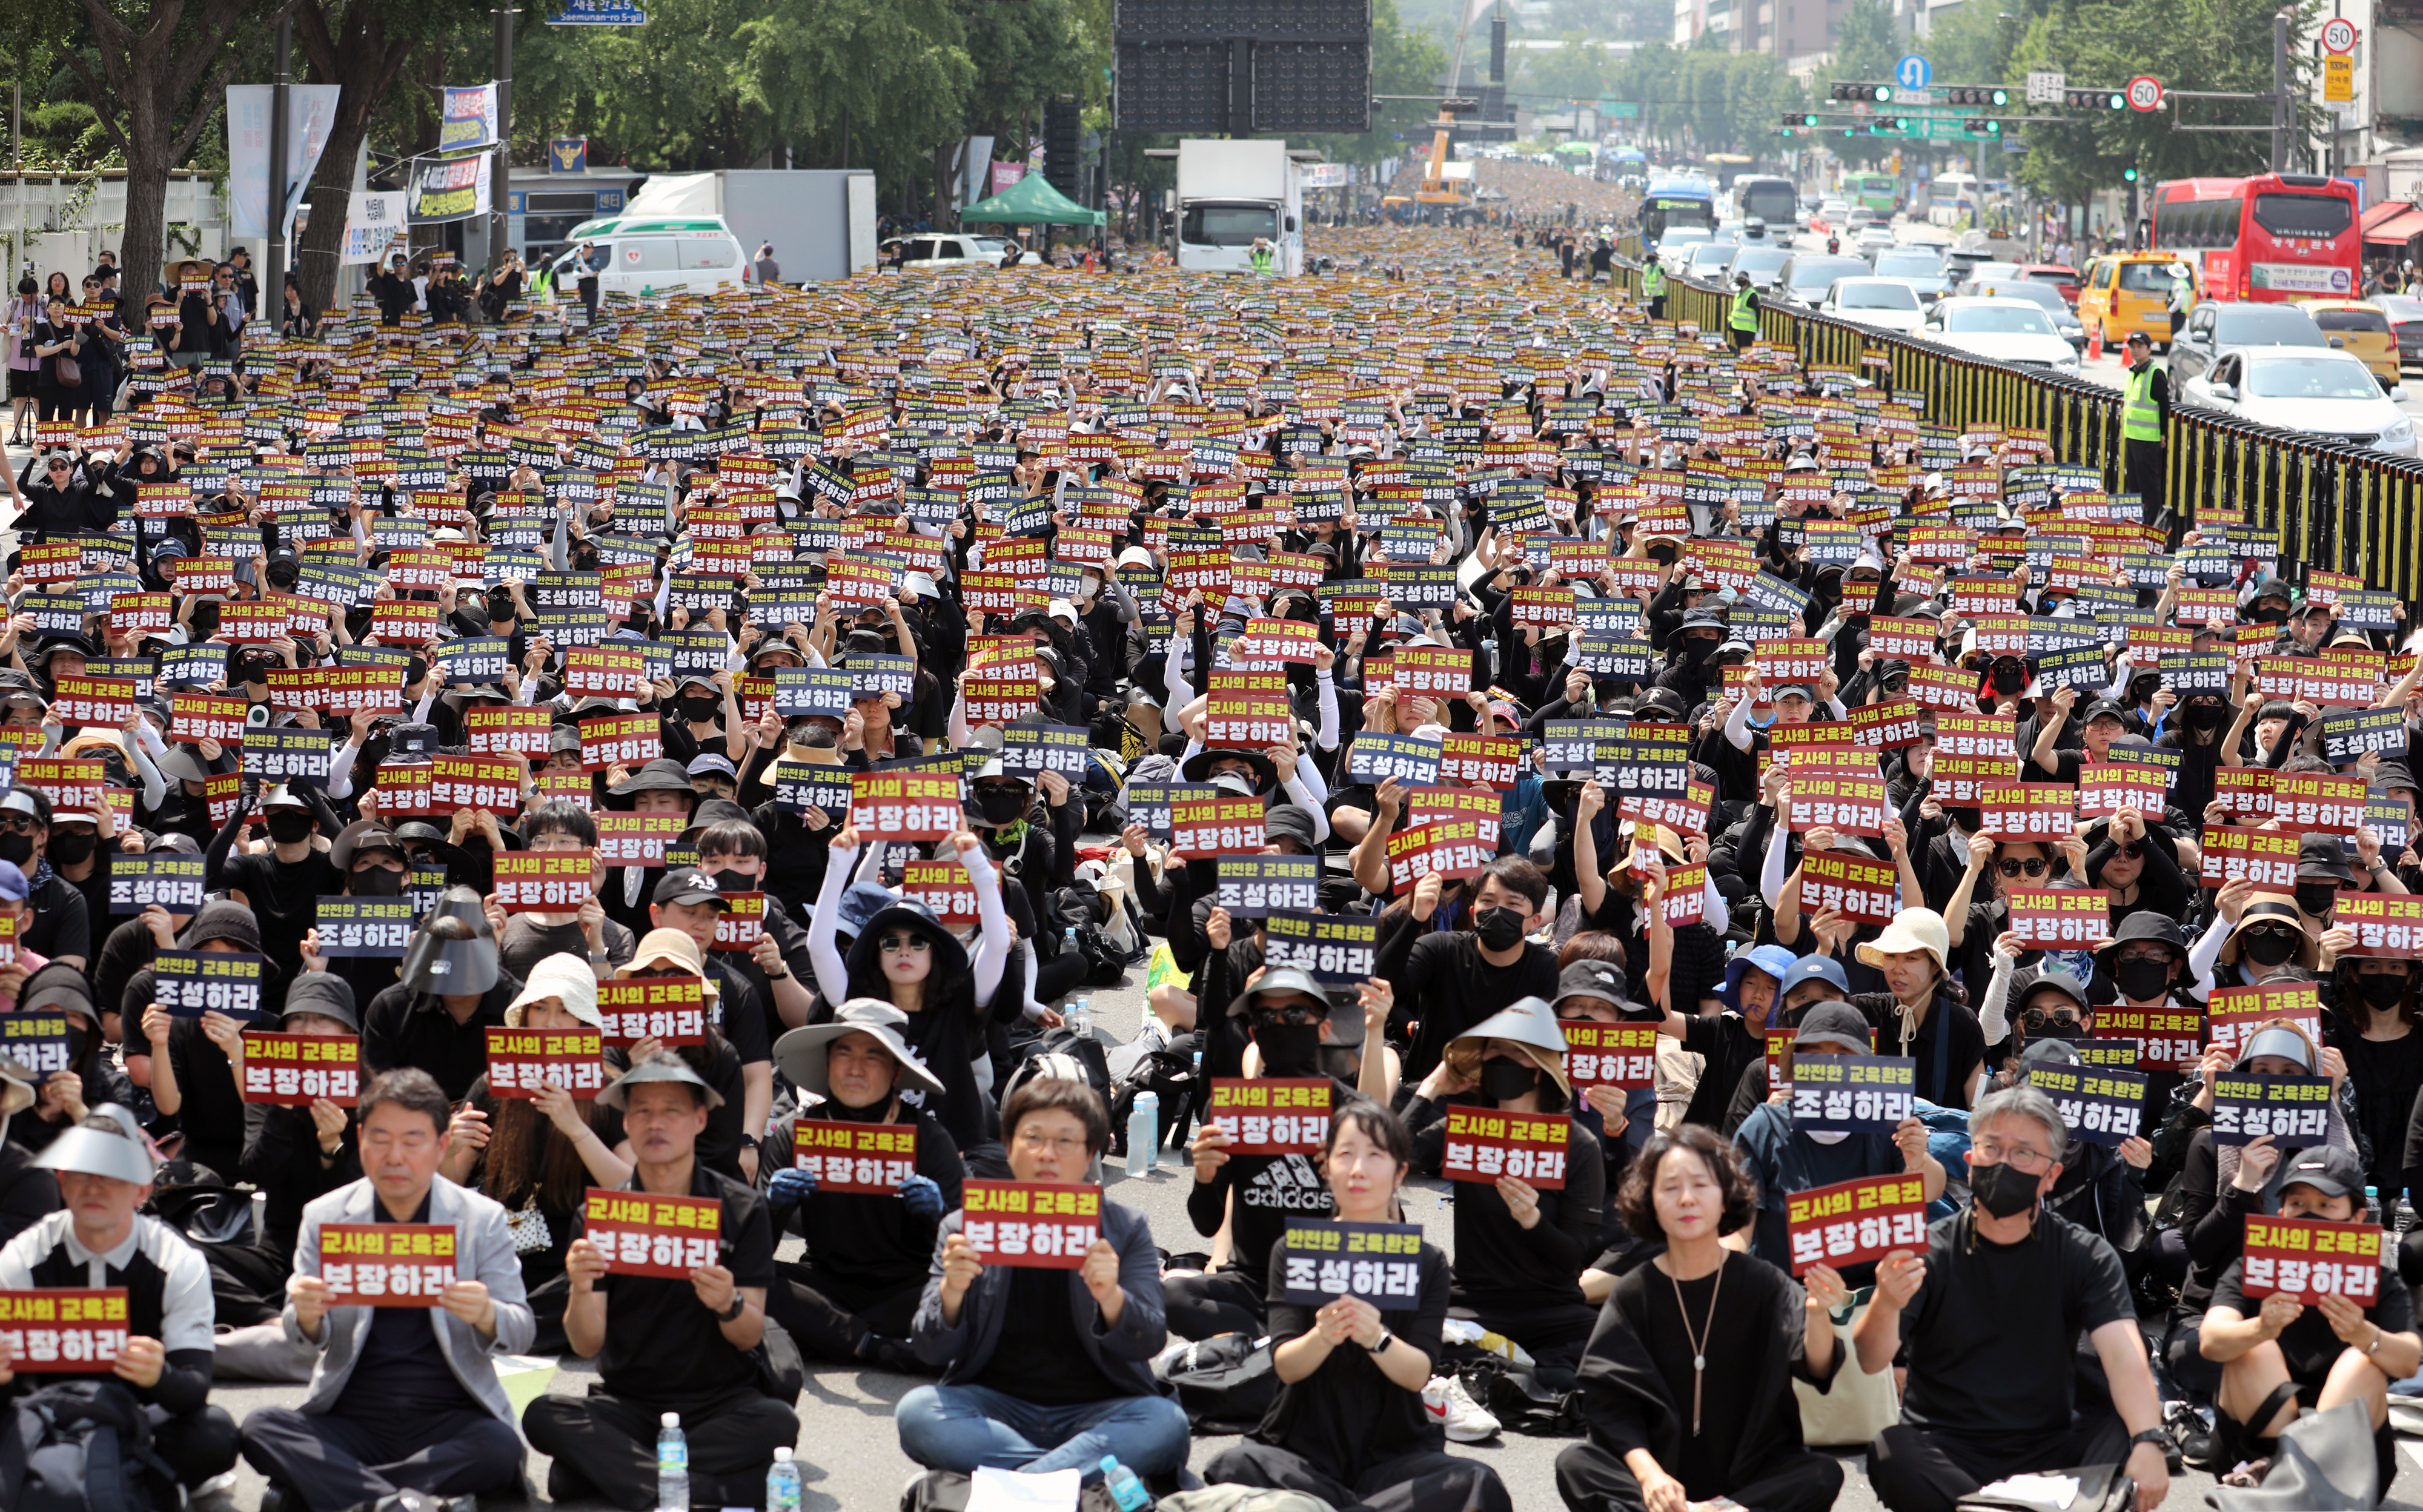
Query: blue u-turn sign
[[1913, 73]]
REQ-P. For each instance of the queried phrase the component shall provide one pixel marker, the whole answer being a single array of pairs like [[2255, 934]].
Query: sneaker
[[1446, 1403]]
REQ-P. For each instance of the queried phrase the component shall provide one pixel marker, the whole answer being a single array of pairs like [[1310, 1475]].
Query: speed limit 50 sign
[[2339, 35], [2145, 92]]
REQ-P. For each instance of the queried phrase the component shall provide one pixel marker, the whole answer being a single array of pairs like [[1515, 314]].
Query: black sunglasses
[[2033, 867]]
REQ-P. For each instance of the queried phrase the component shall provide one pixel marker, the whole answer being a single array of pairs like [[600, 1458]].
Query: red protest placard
[[63, 1331], [386, 1265], [2106, 788], [1856, 1221], [2233, 1013], [492, 783], [1001, 593], [1861, 891], [621, 739], [1000, 700], [1271, 1115], [2384, 924], [1030, 1224], [1794, 660], [522, 1060], [1845, 803], [142, 613], [2310, 802], [905, 805], [640, 1234], [105, 701], [297, 1070], [1483, 1144], [2268, 858], [742, 923], [339, 690], [1610, 1055], [1887, 726], [2245, 793], [73, 785], [2056, 918], [603, 671], [942, 886], [494, 731], [668, 1010], [1202, 828], [197, 717], [861, 1159], [2045, 812], [1946, 690], [253, 621], [1451, 847], [2310, 1259], [544, 882], [1488, 760], [2168, 1038], [1434, 670], [1686, 815], [1278, 640], [399, 622], [637, 840]]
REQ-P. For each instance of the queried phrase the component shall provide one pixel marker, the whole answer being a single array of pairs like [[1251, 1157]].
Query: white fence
[[63, 222]]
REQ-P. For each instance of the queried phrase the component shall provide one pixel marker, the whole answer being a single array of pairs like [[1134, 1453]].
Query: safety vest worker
[[1265, 260], [2141, 418], [1745, 312], [1653, 280]]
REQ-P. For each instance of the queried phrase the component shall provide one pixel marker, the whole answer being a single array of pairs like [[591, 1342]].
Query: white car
[[2321, 393], [1873, 235], [1999, 331], [1883, 304]]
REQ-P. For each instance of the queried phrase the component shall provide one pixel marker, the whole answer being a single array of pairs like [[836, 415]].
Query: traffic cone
[[2095, 344]]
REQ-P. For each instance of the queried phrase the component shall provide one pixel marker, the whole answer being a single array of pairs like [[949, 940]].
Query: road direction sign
[[1913, 73], [2145, 93], [2339, 35]]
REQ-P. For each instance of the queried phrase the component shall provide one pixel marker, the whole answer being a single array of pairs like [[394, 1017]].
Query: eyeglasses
[[2130, 851], [1039, 1143], [2017, 1156], [20, 824], [1289, 1014], [2034, 866], [2037, 1018], [913, 944]]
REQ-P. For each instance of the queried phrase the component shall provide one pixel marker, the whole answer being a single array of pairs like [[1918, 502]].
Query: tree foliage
[[1703, 99]]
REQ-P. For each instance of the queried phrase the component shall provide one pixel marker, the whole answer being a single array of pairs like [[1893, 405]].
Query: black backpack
[[1225, 1384], [1168, 1073], [79, 1446]]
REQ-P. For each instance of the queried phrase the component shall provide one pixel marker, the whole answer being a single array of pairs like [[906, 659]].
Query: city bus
[[2274, 236], [1768, 199], [1880, 192], [1675, 202]]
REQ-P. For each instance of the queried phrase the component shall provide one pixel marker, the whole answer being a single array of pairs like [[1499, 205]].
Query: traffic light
[[1864, 93], [2094, 98], [1797, 119], [2128, 175], [1981, 126], [1885, 124], [1976, 94]]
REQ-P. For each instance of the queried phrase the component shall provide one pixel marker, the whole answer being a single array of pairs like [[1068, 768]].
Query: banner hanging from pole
[[310, 113], [447, 189]]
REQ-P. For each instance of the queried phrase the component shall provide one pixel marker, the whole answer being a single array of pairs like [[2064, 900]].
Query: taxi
[[2131, 292], [2361, 327]]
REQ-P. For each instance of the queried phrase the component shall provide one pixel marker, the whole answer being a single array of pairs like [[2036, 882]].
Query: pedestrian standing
[[2144, 415]]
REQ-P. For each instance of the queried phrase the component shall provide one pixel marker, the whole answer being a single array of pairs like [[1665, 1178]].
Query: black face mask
[[2009, 679], [1695, 650], [287, 827], [67, 849], [1001, 805], [2142, 982], [2270, 616], [1288, 1050], [1504, 1079], [1501, 928], [2205, 717], [2382, 989], [15, 847], [376, 881], [1662, 554], [699, 711], [2268, 949], [2005, 1191], [2316, 897]]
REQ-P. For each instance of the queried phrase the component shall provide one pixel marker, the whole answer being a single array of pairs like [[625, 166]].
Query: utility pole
[[2282, 113], [273, 279], [501, 176]]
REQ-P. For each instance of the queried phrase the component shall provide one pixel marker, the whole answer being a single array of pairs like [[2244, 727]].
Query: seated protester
[[537, 1156], [1920, 1014], [448, 994], [401, 1397], [2221, 1185], [723, 1143], [26, 1191], [1615, 900], [99, 1238], [1348, 1426], [1687, 1395], [733, 851], [2103, 1186], [283, 884], [662, 1346], [525, 939], [854, 1296], [1594, 990], [1990, 1318], [53, 923], [1253, 1196], [1449, 980], [2281, 1358], [690, 900], [1806, 982], [2138, 863], [1045, 1369], [193, 1061], [291, 1155], [1518, 1249], [2372, 1025], [1781, 1158], [2263, 938], [904, 956], [89, 1080], [132, 946], [371, 859]]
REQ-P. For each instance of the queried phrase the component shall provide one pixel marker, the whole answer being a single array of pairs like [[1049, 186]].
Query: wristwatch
[[785, 976], [1386, 1338], [2378, 1334], [2158, 1437], [732, 1314]]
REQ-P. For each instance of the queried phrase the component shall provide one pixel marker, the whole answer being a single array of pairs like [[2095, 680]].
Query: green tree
[[1866, 47]]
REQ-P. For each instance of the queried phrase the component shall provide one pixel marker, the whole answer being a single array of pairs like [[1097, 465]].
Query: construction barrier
[[2332, 506]]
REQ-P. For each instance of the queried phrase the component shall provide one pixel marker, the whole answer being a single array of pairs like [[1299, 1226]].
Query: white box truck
[[822, 221], [1230, 193]]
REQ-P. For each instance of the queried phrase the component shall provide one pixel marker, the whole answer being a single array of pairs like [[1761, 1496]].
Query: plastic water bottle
[[673, 1465], [1081, 1017], [782, 1483], [1144, 1133], [1127, 1492]]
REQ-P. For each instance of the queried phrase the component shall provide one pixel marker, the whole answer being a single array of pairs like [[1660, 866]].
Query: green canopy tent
[[1032, 201]]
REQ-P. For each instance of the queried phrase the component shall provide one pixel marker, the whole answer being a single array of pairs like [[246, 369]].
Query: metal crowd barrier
[[2332, 506]]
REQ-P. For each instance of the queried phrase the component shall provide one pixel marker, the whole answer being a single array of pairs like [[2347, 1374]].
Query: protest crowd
[[595, 840]]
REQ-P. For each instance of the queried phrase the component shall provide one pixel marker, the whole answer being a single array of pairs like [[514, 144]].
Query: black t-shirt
[[402, 1027], [662, 1346], [1992, 1334], [718, 1144], [1941, 1082], [1725, 1042], [1729, 1333], [1499, 1261], [1040, 1358], [400, 1375], [1347, 1416], [1269, 1190], [867, 1239], [1450, 989], [59, 926], [526, 942], [2308, 1346], [285, 897]]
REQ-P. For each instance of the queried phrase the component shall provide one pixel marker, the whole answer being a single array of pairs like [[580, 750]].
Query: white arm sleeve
[[2207, 950], [1994, 1011], [1302, 797], [1326, 686], [1737, 726], [1771, 871], [993, 938], [340, 772], [832, 976]]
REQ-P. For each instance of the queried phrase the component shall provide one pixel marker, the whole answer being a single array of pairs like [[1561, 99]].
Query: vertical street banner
[[467, 121], [311, 112]]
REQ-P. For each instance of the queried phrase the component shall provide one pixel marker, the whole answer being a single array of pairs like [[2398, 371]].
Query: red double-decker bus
[[2273, 236]]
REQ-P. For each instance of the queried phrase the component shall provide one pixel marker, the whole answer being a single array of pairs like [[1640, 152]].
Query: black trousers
[[1591, 1480], [604, 1445], [334, 1462], [197, 1445], [1224, 1301], [830, 1318], [1657, 308], [1426, 1480], [1914, 1470], [1553, 1332], [248, 1282], [2141, 473]]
